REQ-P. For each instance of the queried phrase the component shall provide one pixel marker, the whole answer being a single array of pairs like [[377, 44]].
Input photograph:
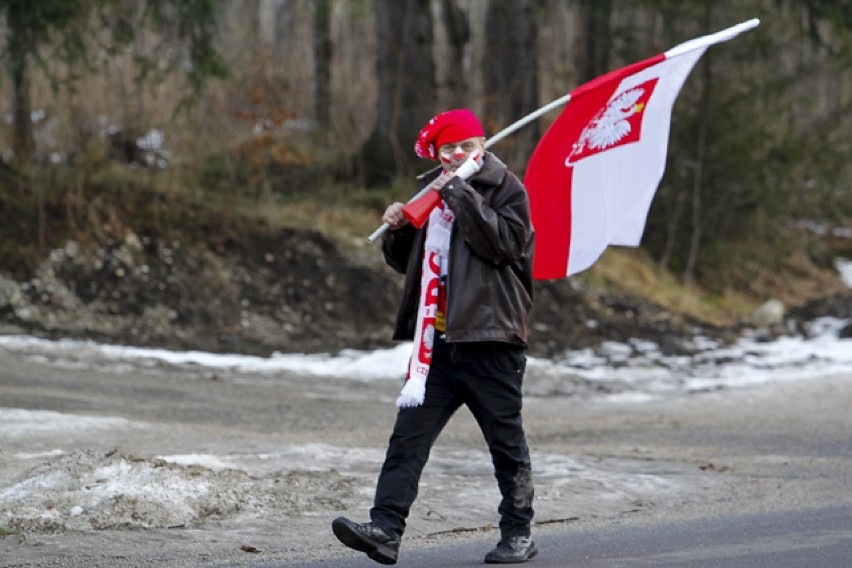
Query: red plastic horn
[[417, 211]]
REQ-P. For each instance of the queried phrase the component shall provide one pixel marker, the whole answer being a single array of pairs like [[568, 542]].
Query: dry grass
[[632, 271], [339, 219]]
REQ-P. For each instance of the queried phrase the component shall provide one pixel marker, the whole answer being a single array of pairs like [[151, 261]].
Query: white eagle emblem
[[609, 125], [428, 339]]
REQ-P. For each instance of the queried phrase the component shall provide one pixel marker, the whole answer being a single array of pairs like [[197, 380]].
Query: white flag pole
[[527, 119], [488, 143]]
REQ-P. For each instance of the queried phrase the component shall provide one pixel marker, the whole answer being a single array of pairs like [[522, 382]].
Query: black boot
[[368, 538], [512, 550]]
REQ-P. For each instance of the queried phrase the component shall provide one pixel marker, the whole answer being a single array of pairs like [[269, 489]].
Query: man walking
[[466, 302]]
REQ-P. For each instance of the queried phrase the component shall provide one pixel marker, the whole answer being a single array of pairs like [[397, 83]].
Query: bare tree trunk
[[695, 239], [511, 75], [453, 35], [593, 55], [406, 95], [322, 77], [23, 142], [700, 157], [671, 230], [22, 137]]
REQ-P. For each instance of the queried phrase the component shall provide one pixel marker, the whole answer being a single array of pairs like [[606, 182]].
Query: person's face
[[455, 154]]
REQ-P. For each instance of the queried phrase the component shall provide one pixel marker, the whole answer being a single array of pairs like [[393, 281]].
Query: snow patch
[[844, 267], [87, 490], [18, 422]]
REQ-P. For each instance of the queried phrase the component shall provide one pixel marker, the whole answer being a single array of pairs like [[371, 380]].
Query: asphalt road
[[818, 538], [753, 477]]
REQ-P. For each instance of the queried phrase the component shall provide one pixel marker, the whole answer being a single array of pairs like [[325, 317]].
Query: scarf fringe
[[412, 393]]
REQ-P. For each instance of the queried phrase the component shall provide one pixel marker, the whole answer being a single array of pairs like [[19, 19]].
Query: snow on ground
[[844, 267], [85, 489], [70, 487], [381, 364], [638, 364], [749, 361], [20, 423]]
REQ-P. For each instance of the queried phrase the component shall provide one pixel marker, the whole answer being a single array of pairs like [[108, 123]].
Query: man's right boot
[[368, 538]]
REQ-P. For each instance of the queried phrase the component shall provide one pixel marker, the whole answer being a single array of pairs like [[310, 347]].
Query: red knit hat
[[447, 127]]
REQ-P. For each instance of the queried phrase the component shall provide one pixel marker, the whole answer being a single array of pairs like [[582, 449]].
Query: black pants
[[487, 377]]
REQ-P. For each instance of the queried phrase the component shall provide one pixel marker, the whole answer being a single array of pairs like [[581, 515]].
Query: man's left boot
[[512, 550]]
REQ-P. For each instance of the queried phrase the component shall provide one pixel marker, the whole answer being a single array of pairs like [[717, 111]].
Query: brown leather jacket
[[489, 281]]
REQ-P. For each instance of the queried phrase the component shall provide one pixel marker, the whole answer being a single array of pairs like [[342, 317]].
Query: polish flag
[[594, 173]]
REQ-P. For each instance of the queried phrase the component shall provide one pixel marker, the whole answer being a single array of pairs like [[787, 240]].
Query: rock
[[10, 293], [769, 314]]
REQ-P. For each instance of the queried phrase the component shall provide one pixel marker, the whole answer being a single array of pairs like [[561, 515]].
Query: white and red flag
[[594, 173]]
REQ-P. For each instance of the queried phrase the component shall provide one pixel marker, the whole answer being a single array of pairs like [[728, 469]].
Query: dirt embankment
[[229, 284]]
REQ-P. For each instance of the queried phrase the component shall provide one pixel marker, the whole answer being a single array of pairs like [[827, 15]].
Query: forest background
[[204, 172]]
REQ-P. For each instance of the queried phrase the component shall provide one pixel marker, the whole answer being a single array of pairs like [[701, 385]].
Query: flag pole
[[488, 143], [527, 119]]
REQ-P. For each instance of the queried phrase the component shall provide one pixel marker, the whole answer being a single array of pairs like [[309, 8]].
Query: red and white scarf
[[435, 255]]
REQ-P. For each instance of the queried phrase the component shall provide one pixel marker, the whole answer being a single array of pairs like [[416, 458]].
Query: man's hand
[[394, 216], [442, 180]]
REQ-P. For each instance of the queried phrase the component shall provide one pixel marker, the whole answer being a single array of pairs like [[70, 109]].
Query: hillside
[[157, 269]]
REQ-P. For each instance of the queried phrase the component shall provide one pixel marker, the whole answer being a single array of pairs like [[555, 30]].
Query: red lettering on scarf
[[427, 334], [434, 263]]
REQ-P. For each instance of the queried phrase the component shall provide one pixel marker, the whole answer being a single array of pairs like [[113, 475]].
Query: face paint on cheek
[[446, 157]]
